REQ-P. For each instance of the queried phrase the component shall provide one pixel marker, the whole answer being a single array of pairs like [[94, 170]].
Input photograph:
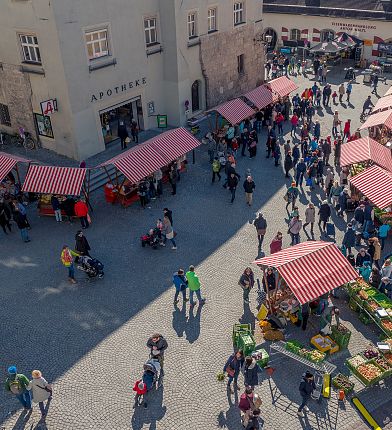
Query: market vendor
[[269, 280]]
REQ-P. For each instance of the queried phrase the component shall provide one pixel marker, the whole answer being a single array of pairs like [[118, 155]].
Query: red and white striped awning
[[384, 103], [311, 269], [8, 162], [235, 111], [282, 86], [366, 149], [389, 92], [376, 184], [54, 180], [261, 97], [379, 118], [144, 159]]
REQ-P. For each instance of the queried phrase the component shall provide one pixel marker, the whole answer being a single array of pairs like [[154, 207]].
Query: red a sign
[[48, 107]]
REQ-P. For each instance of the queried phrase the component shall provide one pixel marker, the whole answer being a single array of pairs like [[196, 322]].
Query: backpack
[[15, 386]]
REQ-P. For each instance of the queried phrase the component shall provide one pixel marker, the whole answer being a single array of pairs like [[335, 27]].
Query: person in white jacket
[[40, 389]]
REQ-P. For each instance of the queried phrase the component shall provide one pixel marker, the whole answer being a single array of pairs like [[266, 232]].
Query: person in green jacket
[[194, 286], [216, 166], [16, 384]]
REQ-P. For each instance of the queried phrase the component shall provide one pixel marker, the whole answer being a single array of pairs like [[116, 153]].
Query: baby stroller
[[91, 266], [152, 378], [152, 238]]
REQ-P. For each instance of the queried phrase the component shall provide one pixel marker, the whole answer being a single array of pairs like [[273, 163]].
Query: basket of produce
[[387, 325], [240, 328], [385, 302], [384, 364], [341, 335], [370, 353], [303, 352], [293, 346], [369, 373], [353, 304], [316, 356], [342, 382], [388, 357], [371, 306], [371, 292], [355, 361]]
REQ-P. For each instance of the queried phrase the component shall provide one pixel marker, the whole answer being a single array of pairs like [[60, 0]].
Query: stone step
[[99, 178]]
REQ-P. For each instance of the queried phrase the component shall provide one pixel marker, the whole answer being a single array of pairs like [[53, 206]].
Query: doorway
[[195, 96], [271, 32]]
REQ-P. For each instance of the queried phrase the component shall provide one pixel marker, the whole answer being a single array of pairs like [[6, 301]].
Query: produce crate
[[240, 328], [350, 359], [368, 382], [353, 304], [388, 372], [319, 343], [342, 382], [293, 346], [247, 343], [364, 317], [264, 359], [316, 359], [334, 345], [341, 338]]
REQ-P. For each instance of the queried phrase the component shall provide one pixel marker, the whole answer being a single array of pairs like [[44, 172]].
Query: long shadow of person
[[22, 420], [248, 317], [192, 329], [154, 412], [231, 420], [179, 320]]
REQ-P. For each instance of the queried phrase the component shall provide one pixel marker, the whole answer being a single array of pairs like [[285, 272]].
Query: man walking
[[180, 282], [301, 169], [22, 225], [16, 384], [341, 92], [249, 187], [81, 211], [216, 166], [261, 227], [375, 83], [194, 286], [306, 388], [232, 184]]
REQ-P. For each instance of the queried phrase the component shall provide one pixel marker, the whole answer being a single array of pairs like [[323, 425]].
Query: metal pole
[[193, 156]]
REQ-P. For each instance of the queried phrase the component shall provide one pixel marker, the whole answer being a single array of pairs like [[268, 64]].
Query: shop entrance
[[121, 115]]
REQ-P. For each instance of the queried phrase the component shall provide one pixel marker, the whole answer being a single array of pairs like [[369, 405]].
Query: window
[[5, 115], [212, 19], [97, 43], [295, 34], [150, 31], [30, 48], [192, 27], [327, 35], [239, 13], [240, 64]]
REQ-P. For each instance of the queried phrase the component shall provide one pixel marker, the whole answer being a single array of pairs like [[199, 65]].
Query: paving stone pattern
[[89, 338]]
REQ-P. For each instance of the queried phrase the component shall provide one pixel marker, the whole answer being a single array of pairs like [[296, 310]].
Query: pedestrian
[[261, 227], [304, 314], [158, 175], [251, 370], [173, 178], [211, 146], [334, 194], [22, 209], [249, 187], [377, 251], [81, 211], [327, 150], [346, 129], [40, 389], [296, 155], [327, 91], [249, 401], [386, 270], [277, 155], [343, 197], [324, 214], [306, 388], [368, 215], [317, 130], [382, 233], [122, 133], [232, 367], [216, 167], [134, 131], [375, 278], [167, 212], [312, 174], [269, 280], [194, 286], [254, 423], [310, 217], [349, 89], [386, 287], [16, 384], [294, 123], [335, 123], [22, 225], [375, 83], [158, 345], [142, 191], [279, 121], [67, 259], [56, 208], [180, 282], [300, 171], [5, 217], [362, 256], [168, 232], [288, 163], [329, 179], [246, 282], [232, 184], [276, 243], [349, 238], [291, 195], [341, 92], [82, 246], [295, 226]]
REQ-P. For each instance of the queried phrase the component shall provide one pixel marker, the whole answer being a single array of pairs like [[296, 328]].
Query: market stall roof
[[366, 149], [329, 47], [261, 96], [235, 111], [389, 92], [281, 86], [379, 118], [348, 39], [311, 269], [54, 180], [384, 103], [376, 184], [8, 162]]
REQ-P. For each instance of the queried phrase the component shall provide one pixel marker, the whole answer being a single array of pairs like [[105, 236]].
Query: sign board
[[48, 107], [162, 121]]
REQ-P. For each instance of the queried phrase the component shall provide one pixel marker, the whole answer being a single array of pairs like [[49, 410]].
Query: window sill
[[151, 45], [154, 49], [213, 31], [96, 64], [194, 41], [238, 24], [32, 68]]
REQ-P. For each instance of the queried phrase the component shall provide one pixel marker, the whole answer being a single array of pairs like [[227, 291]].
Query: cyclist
[[367, 105], [157, 344]]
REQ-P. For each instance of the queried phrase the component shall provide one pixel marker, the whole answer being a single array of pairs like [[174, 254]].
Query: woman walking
[[81, 244], [232, 367], [295, 227], [251, 369], [67, 260], [41, 390], [247, 282], [310, 217], [168, 232]]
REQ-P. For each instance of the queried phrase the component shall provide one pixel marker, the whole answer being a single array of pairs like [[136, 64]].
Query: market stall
[[261, 97], [281, 87], [330, 50], [384, 103], [8, 163], [362, 153], [52, 180], [380, 126], [234, 112], [143, 160]]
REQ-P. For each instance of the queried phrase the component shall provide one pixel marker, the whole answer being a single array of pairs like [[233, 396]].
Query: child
[[334, 95], [235, 146]]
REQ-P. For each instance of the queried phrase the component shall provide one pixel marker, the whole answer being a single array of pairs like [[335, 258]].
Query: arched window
[[271, 32], [295, 34], [327, 35], [195, 96]]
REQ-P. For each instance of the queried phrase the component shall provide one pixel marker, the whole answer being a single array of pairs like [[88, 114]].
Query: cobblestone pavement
[[89, 338]]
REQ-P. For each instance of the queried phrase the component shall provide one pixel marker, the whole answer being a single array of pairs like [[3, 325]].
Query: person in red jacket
[[276, 244], [346, 130], [81, 211]]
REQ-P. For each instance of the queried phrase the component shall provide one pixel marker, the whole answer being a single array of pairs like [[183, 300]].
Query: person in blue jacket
[[349, 238], [232, 367], [181, 283]]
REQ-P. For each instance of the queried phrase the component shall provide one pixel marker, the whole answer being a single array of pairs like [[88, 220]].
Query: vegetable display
[[369, 371], [387, 324], [342, 382], [383, 363], [370, 353], [356, 361]]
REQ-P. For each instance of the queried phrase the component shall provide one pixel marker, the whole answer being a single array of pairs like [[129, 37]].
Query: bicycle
[[23, 138]]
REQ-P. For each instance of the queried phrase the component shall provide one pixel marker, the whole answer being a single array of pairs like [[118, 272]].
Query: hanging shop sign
[[118, 89]]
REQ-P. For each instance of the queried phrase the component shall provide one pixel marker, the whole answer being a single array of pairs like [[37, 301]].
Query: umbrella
[[348, 40], [330, 47]]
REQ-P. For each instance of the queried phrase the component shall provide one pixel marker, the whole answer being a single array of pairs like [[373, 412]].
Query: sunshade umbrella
[[330, 47]]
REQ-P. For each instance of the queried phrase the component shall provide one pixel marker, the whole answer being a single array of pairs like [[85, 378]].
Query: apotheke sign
[[119, 89]]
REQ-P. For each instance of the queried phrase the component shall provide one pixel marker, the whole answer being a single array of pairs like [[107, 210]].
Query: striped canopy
[[235, 111], [261, 96], [281, 86], [311, 269], [379, 118], [384, 103], [8, 162]]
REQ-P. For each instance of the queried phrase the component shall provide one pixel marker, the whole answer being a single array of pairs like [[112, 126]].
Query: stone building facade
[[219, 56]]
